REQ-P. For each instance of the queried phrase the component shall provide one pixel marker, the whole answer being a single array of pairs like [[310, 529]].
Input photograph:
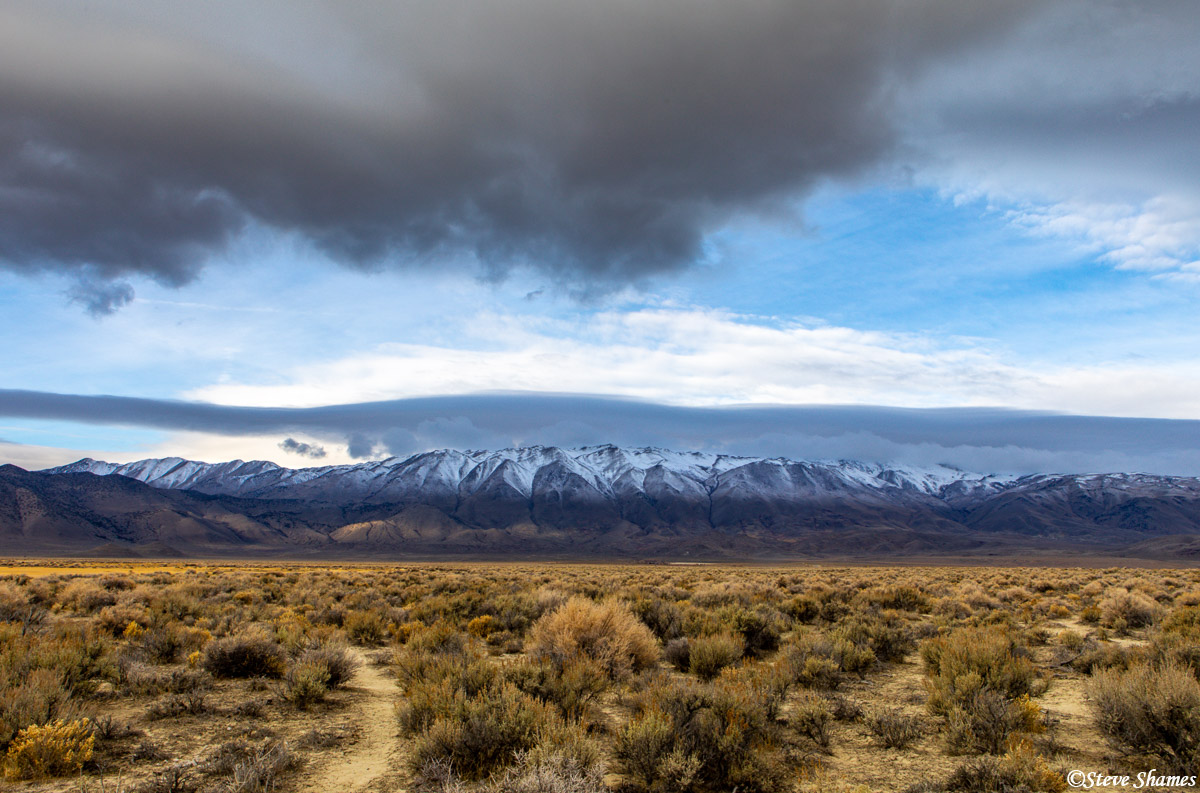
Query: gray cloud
[[360, 446], [981, 439], [599, 141], [293, 446], [98, 297]]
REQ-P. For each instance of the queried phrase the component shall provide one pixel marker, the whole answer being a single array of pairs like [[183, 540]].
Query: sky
[[313, 232]]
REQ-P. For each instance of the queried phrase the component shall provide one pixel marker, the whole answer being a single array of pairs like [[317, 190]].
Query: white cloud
[[706, 357], [1161, 236]]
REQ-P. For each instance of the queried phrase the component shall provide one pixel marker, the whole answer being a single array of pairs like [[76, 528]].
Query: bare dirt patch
[[370, 762]]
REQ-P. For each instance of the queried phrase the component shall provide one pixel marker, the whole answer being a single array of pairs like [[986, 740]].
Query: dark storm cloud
[[978, 439], [599, 141], [293, 446]]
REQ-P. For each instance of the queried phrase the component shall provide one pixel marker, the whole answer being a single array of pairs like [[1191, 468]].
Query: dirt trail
[[370, 763]]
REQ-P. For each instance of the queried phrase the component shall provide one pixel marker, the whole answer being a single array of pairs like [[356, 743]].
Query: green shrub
[[813, 660], [1153, 711], [903, 598], [441, 638], [972, 659], [803, 609]]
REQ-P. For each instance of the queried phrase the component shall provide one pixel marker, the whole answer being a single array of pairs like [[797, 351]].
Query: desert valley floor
[[581, 678]]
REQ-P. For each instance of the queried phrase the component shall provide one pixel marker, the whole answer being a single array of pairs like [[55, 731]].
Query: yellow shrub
[[133, 631], [608, 633], [55, 749], [481, 626]]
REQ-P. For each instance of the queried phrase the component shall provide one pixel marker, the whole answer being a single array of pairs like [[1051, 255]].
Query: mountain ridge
[[602, 500]]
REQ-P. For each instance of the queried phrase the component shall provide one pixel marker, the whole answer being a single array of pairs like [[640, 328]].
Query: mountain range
[[600, 501]]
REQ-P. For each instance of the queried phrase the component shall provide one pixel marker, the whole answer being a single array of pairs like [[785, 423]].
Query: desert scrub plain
[[546, 678]]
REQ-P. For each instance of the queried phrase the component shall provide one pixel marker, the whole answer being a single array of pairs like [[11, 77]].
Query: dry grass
[[587, 678]]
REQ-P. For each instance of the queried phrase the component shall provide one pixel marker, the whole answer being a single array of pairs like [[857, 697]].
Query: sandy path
[[370, 763]]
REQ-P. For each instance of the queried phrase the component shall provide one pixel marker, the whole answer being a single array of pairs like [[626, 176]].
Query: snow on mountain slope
[[610, 471], [578, 495]]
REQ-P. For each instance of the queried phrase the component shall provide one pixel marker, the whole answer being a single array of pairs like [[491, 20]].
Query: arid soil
[[521, 678]]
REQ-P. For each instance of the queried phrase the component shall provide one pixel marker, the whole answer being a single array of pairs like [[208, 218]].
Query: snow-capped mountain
[[598, 500], [606, 471]]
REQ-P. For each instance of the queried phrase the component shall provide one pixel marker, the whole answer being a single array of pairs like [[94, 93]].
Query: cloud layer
[[980, 439], [598, 141], [706, 357]]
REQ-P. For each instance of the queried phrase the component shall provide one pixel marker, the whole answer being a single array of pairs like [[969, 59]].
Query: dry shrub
[[16, 607], [989, 721], [481, 734], [161, 644], [1020, 770], [1152, 711], [813, 660], [38, 699], [306, 683], [1178, 641], [441, 637], [249, 768], [178, 704], [692, 736], [55, 749], [678, 653], [899, 597], [1122, 609], [607, 632], [662, 617], [571, 686], [895, 729], [885, 634], [365, 627], [436, 685], [86, 596], [760, 628], [252, 655], [335, 661], [1094, 656], [980, 681], [812, 717], [708, 655], [552, 773]]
